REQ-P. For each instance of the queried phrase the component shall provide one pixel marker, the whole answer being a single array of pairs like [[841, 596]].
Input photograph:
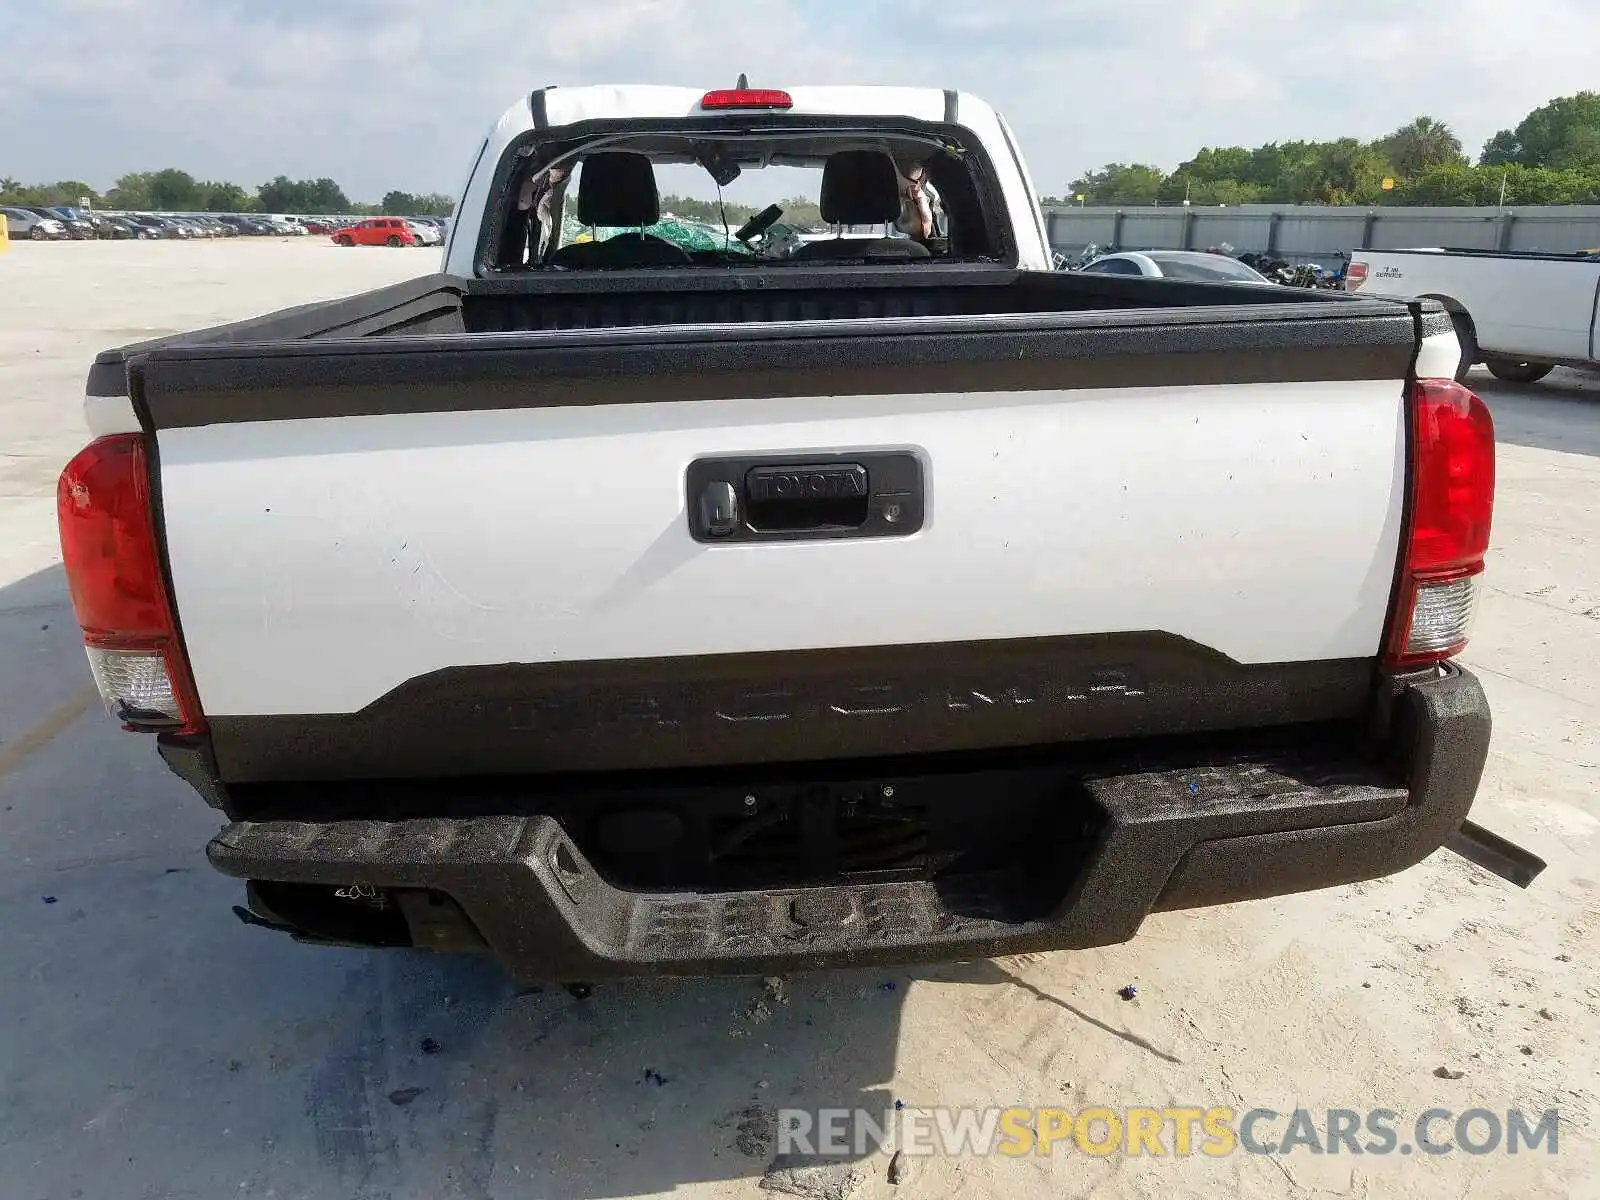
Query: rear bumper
[[1169, 835]]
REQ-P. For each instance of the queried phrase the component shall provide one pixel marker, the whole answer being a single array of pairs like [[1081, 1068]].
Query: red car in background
[[377, 231]]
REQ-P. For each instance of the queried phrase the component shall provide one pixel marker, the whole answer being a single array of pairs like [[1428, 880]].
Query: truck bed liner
[[494, 306], [442, 307]]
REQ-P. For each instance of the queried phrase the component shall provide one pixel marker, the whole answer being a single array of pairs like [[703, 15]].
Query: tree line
[[797, 210], [172, 190], [1551, 157]]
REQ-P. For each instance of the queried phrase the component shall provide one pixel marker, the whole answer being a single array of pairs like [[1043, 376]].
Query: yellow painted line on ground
[[12, 753]]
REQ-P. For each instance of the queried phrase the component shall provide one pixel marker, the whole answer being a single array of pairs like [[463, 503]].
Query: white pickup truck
[[618, 603], [1521, 315]]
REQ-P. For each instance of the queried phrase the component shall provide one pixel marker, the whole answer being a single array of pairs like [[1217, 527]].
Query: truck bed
[[446, 306]]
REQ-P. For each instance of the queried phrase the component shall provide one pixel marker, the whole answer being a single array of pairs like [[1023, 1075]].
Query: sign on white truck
[[1521, 315], [631, 605]]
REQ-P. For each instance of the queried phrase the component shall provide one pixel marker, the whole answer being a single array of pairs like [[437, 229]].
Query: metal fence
[[1318, 234]]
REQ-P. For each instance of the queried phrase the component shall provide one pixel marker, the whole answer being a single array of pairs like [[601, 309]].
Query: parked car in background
[[79, 221], [103, 226], [1196, 266], [247, 224], [153, 226], [283, 224], [377, 231], [115, 226], [160, 226], [76, 228], [25, 223], [1520, 314], [426, 233]]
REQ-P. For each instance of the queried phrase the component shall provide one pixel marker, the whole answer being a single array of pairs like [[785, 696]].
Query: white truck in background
[[1520, 314], [622, 605]]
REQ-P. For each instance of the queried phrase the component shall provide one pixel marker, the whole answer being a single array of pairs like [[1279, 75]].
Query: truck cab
[[533, 152]]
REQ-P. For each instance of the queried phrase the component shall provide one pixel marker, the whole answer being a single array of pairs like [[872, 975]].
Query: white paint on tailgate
[[318, 564], [109, 414], [1439, 356]]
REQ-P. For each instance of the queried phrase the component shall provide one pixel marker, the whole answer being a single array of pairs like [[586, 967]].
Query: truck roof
[[555, 105]]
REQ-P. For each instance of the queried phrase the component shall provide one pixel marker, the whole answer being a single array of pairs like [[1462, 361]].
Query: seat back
[[618, 188], [861, 187]]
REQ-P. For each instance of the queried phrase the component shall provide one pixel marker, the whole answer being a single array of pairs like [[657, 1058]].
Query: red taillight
[[1354, 276], [747, 98], [113, 567], [1453, 484], [1451, 503]]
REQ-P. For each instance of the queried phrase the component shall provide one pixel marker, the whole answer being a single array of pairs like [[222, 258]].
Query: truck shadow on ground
[[153, 1045], [1560, 412], [443, 1073]]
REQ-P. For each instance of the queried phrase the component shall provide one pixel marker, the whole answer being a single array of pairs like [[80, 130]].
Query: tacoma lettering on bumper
[[1168, 835]]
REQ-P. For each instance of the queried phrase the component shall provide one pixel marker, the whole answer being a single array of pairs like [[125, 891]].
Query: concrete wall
[[1314, 233]]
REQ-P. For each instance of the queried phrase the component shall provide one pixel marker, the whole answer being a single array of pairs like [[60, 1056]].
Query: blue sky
[[396, 93]]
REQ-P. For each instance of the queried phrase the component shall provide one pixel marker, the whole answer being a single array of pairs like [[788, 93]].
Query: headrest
[[860, 187], [618, 188]]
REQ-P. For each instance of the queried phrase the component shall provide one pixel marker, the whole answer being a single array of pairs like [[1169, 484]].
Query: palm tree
[[1423, 143]]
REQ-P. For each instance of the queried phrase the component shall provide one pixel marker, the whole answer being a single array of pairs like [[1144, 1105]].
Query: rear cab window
[[758, 192]]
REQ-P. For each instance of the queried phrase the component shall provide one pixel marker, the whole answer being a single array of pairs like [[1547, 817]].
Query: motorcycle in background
[[1063, 261], [1300, 275]]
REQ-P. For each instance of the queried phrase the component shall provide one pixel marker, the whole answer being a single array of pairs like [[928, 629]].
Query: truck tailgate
[[483, 554]]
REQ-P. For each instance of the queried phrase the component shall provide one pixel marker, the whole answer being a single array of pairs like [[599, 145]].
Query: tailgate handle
[[806, 496]]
